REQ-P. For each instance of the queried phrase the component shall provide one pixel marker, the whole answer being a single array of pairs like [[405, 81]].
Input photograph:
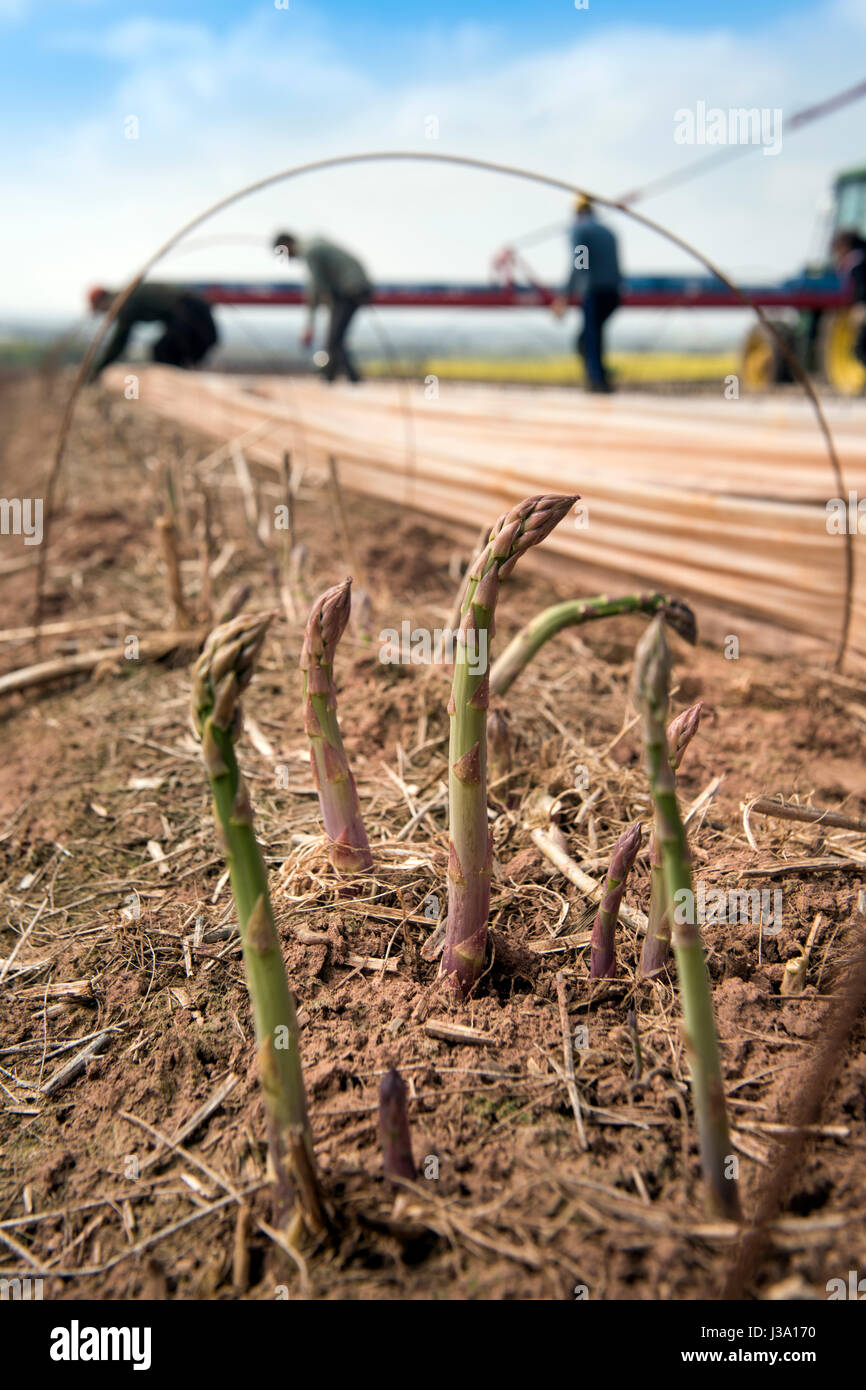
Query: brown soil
[[107, 841]]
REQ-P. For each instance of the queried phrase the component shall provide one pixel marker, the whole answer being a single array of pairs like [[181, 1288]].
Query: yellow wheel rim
[[841, 368], [759, 362]]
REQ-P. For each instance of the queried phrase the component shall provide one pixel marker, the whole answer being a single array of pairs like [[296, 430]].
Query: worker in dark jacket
[[849, 253], [595, 279], [189, 327], [337, 279]]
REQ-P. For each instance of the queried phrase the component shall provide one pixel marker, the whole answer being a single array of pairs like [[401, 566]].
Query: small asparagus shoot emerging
[[394, 1134], [651, 686], [222, 673], [656, 944], [348, 846], [471, 847], [546, 624], [603, 948]]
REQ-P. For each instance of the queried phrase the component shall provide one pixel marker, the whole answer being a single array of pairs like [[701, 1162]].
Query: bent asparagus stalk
[[222, 673], [602, 945], [656, 943], [348, 846], [471, 846], [394, 1134], [522, 648], [651, 686]]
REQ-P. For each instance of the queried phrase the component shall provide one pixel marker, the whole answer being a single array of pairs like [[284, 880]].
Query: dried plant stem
[[343, 521], [288, 540], [568, 1060], [168, 544], [205, 558], [499, 742], [813, 815], [290, 505]]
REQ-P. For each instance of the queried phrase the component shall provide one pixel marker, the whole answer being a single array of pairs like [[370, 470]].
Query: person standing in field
[[594, 278], [337, 279]]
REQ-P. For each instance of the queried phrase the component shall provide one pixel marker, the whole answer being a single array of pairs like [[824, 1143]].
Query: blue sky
[[226, 92], [54, 53]]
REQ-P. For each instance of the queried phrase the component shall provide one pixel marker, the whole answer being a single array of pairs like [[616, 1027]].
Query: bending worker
[[190, 331], [337, 279], [595, 279]]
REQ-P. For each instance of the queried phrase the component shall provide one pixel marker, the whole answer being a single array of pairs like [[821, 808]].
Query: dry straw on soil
[[140, 1168]]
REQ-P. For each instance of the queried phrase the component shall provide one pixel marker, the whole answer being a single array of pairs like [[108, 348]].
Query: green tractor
[[821, 331]]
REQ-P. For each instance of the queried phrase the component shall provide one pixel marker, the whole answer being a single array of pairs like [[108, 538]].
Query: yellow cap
[[583, 204]]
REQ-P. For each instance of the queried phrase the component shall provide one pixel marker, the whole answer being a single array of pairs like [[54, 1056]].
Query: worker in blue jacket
[[594, 279]]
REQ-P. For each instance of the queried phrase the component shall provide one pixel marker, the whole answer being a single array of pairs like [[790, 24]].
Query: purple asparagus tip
[[326, 625], [603, 944], [394, 1134], [682, 730]]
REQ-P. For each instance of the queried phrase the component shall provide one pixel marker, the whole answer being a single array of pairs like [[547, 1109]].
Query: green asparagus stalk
[[222, 673], [348, 846], [651, 686], [522, 648], [471, 847], [656, 944], [602, 945], [394, 1134]]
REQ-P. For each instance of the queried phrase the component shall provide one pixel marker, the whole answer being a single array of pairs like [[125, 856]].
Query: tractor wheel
[[840, 367], [762, 361]]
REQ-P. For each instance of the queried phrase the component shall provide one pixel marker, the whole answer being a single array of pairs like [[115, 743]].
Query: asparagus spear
[[602, 947], [656, 944], [471, 848], [651, 685], [348, 845], [394, 1134], [222, 673], [522, 648]]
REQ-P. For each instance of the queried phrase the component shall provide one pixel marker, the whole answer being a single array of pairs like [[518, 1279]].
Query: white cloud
[[135, 40], [852, 12]]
